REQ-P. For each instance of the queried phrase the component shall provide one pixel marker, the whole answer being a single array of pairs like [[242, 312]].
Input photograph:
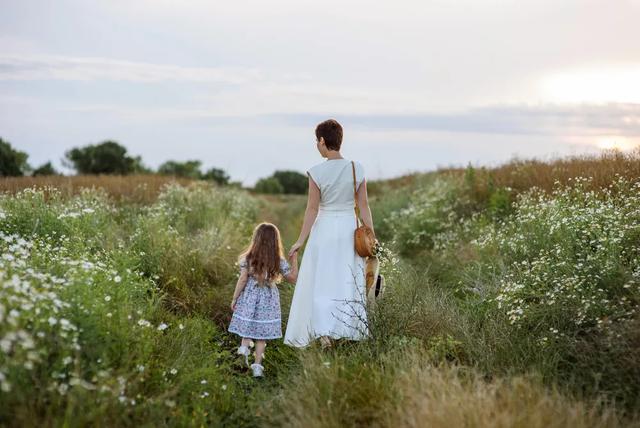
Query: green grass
[[115, 313]]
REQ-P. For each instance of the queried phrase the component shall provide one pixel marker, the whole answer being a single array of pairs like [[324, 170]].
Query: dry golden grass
[[521, 175], [134, 188], [441, 397], [407, 390]]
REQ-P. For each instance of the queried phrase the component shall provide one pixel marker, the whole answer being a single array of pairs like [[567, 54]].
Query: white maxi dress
[[329, 297]]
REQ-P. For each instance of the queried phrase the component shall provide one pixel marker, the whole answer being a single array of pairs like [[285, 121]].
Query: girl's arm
[[242, 281], [292, 276], [363, 203], [313, 204]]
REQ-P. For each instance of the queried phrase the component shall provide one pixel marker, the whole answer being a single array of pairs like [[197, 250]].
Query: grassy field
[[512, 301]]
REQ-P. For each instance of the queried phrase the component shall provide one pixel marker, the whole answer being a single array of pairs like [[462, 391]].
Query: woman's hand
[[294, 248], [233, 304]]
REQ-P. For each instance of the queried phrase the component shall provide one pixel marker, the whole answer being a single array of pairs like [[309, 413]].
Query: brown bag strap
[[355, 197]]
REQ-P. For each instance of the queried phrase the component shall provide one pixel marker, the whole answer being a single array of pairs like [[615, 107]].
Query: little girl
[[256, 301]]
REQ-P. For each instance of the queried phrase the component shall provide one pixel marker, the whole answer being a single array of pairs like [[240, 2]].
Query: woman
[[329, 298]]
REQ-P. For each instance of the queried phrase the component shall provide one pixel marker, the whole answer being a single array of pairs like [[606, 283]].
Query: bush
[[12, 162], [85, 334], [108, 157], [431, 210], [269, 185], [188, 241]]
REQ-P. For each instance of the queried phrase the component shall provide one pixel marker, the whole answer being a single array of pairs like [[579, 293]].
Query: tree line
[[110, 157]]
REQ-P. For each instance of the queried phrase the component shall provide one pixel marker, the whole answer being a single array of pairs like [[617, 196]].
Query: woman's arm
[[363, 203], [242, 282], [310, 214]]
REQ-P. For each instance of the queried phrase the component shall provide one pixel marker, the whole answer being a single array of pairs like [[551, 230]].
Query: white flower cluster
[[573, 258], [433, 210], [32, 311]]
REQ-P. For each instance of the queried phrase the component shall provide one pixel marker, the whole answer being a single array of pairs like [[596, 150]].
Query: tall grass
[[403, 388], [89, 331], [132, 188], [516, 309], [550, 284]]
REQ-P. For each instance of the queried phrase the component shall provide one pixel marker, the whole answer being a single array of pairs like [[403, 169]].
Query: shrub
[[431, 210], [188, 241]]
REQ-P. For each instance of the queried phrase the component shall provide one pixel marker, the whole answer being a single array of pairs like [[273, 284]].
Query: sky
[[241, 85]]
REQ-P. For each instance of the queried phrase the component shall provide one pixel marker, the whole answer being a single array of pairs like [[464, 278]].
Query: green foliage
[[191, 169], [12, 162], [187, 169], [292, 182], [108, 157], [288, 182], [114, 314], [88, 335], [431, 210], [45, 169], [533, 282], [218, 175], [269, 185], [188, 242]]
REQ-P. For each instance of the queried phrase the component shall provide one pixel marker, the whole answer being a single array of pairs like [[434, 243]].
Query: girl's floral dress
[[257, 314]]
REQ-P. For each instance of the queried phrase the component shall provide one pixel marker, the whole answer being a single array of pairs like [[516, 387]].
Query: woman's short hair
[[331, 131]]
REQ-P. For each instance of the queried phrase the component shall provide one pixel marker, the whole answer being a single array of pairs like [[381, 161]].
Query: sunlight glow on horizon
[[617, 142], [594, 85]]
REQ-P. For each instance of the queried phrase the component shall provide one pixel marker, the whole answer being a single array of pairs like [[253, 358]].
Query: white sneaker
[[257, 369], [244, 351]]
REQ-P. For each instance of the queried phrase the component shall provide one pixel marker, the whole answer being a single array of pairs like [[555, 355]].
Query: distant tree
[[12, 162], [235, 184], [187, 169], [218, 175], [108, 157], [139, 167], [45, 169], [268, 185], [292, 181]]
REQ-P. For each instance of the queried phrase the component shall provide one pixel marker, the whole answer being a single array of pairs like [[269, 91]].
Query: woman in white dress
[[329, 298]]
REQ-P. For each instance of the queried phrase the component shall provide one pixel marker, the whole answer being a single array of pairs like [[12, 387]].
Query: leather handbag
[[365, 240]]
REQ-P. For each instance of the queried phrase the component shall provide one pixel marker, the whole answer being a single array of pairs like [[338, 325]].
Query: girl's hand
[[294, 248], [233, 304]]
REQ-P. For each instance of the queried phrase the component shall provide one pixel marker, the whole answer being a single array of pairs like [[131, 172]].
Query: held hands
[[294, 249]]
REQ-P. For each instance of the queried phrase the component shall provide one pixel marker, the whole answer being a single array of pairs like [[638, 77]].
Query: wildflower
[[162, 326], [107, 298]]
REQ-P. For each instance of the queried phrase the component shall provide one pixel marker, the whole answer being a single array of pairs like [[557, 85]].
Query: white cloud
[[56, 67]]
